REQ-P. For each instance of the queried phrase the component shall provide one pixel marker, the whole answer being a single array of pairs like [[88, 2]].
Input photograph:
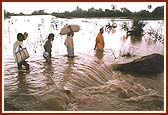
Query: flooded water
[[86, 82]]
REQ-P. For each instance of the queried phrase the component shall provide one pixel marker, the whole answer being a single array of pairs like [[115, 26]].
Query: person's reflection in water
[[71, 62], [49, 74], [68, 74], [21, 77], [48, 67], [22, 86], [99, 54]]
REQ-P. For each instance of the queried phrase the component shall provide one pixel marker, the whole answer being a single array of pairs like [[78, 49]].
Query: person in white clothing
[[19, 44]]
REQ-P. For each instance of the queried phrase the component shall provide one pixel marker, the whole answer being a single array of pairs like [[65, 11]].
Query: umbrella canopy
[[69, 28]]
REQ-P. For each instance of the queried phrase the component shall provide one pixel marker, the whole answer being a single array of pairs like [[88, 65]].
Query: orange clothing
[[100, 41]]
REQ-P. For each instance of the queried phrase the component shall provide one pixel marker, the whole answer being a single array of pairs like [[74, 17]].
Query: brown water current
[[86, 82]]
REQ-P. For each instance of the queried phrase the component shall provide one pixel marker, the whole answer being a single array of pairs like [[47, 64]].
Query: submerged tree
[[156, 34], [136, 29]]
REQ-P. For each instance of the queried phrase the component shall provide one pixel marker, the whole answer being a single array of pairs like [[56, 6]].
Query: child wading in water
[[48, 48]]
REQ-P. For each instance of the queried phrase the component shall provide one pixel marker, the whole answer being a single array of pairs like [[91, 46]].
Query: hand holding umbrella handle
[[70, 28]]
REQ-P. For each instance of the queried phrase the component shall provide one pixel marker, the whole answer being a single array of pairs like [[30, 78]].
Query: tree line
[[157, 13]]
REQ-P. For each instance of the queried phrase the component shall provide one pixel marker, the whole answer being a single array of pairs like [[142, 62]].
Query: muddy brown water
[[84, 83]]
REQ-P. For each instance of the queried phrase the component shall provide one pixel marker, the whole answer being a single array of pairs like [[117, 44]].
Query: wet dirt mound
[[151, 64]]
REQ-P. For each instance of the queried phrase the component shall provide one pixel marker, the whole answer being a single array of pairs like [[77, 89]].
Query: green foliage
[[157, 13], [39, 12], [137, 27]]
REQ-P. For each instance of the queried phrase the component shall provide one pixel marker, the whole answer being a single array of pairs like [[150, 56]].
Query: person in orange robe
[[100, 40]]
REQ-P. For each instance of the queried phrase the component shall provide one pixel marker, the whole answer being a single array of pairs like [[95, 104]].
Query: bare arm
[[95, 44]]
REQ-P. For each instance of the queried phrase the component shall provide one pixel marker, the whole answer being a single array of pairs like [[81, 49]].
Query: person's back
[[69, 44]]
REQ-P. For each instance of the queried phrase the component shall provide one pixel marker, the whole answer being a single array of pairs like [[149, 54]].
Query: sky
[[49, 7]]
